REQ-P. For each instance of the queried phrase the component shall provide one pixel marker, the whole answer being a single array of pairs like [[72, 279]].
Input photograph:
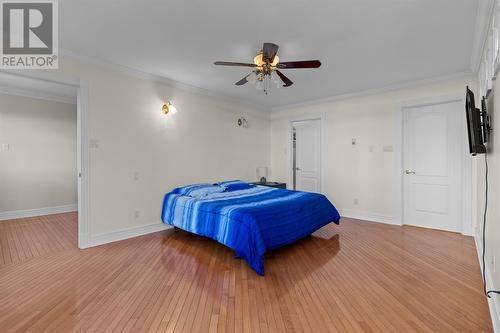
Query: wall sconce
[[169, 108], [242, 122]]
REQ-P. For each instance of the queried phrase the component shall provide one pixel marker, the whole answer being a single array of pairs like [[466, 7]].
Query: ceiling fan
[[266, 66]]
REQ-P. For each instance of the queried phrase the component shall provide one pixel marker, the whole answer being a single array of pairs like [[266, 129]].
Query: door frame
[[320, 118], [83, 157], [466, 160]]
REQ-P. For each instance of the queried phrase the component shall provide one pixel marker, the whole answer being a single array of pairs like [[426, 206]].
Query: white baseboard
[[369, 217], [83, 240], [493, 301], [385, 219], [122, 234], [468, 230], [18, 214]]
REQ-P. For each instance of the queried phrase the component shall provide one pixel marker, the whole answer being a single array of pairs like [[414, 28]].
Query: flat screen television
[[477, 131]]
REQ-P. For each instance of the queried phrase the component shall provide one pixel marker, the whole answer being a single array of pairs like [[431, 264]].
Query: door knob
[[298, 169], [410, 172]]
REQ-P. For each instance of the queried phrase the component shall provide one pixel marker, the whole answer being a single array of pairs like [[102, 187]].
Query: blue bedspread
[[250, 221]]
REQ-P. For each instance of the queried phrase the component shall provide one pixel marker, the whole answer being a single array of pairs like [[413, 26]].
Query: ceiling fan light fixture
[[275, 79], [252, 77], [259, 60], [266, 69], [276, 60]]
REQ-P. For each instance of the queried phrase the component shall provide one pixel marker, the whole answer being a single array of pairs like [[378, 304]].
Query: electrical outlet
[[136, 175], [137, 214], [355, 201], [353, 141]]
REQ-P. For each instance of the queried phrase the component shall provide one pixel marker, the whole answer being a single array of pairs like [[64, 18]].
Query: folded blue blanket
[[250, 221]]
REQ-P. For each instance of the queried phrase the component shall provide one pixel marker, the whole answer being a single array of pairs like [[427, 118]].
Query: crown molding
[[410, 84], [36, 94], [484, 16], [164, 80]]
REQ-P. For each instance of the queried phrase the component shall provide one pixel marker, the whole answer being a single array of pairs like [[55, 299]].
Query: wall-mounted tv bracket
[[485, 121]]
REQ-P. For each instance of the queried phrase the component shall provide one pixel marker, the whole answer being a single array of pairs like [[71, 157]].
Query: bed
[[247, 218]]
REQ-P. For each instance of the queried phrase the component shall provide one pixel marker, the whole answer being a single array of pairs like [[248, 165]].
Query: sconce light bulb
[[172, 108]]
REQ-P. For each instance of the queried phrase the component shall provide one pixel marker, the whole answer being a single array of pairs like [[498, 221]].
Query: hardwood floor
[[30, 237], [359, 277]]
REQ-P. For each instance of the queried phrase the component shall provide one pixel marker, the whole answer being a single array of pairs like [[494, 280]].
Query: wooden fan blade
[[228, 63], [242, 81], [269, 51], [287, 82], [299, 64]]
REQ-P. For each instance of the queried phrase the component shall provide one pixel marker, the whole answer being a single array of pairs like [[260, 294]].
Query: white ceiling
[[363, 44]]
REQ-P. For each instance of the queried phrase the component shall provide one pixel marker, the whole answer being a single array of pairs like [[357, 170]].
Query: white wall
[[493, 217], [39, 168], [349, 171], [201, 143]]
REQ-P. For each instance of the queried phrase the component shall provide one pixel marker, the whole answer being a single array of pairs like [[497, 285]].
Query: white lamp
[[262, 173]]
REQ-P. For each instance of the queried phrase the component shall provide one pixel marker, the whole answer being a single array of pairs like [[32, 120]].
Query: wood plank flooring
[[22, 239], [356, 277]]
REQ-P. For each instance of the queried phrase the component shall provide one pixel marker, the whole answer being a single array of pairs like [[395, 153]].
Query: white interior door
[[307, 155], [433, 162]]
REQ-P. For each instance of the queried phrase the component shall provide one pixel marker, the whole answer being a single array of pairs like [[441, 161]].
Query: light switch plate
[[5, 147], [94, 143]]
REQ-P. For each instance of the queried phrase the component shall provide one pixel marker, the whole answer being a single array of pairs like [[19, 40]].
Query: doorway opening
[[45, 148]]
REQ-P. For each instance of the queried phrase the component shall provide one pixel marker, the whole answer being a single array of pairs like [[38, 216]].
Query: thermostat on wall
[[388, 149]]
